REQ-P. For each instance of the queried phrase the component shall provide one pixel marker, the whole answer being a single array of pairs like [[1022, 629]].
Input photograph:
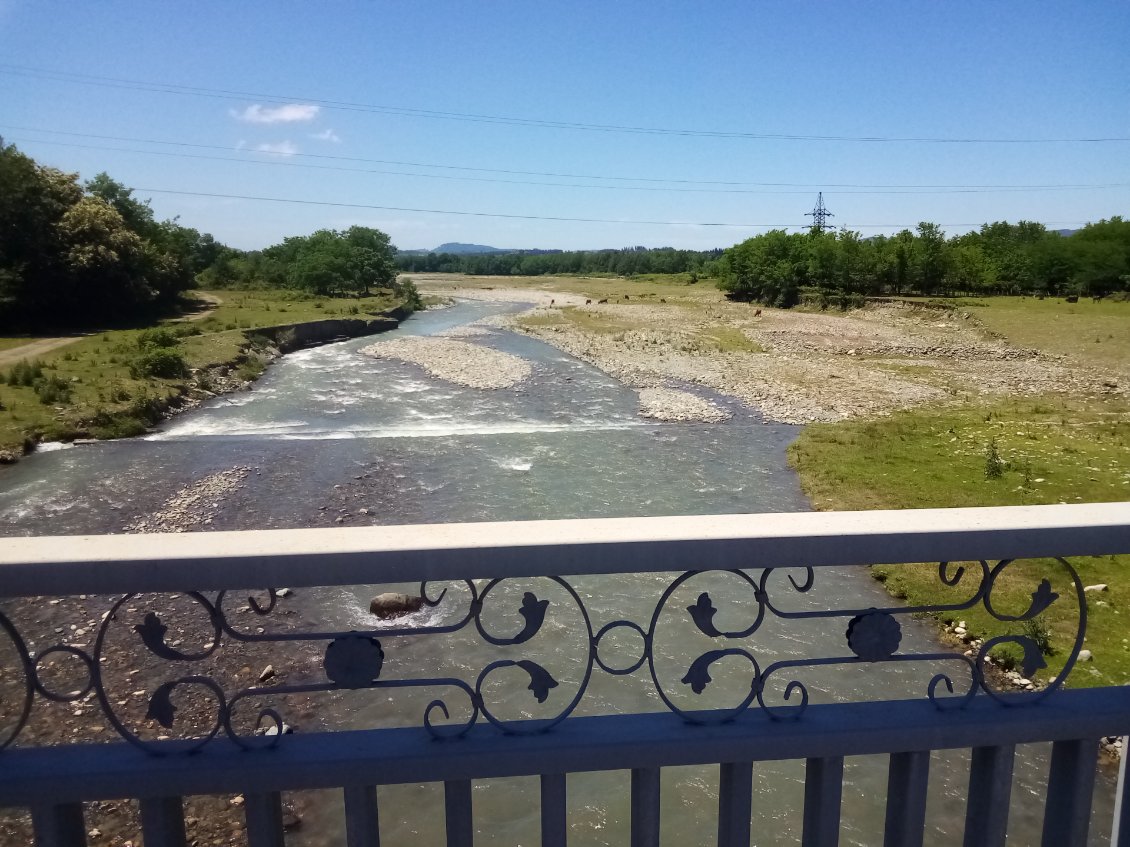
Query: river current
[[330, 432]]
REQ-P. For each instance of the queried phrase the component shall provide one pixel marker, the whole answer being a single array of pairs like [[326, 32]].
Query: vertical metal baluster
[[162, 822], [457, 805], [823, 791], [990, 787], [1120, 830], [907, 779], [59, 825], [735, 800], [1067, 813], [362, 826], [645, 807], [554, 826], [264, 819]]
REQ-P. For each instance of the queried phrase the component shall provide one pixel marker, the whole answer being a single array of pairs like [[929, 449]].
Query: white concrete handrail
[[351, 556]]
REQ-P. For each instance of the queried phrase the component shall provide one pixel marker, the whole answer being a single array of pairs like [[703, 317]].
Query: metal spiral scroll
[[355, 660]]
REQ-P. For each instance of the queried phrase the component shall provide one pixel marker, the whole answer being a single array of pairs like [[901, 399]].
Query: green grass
[[1092, 332], [730, 339], [642, 290], [109, 400], [1054, 451]]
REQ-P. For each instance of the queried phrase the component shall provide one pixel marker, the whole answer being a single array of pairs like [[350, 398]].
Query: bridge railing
[[167, 626]]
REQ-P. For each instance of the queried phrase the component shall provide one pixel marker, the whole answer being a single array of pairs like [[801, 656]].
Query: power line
[[840, 188], [403, 111], [447, 177], [523, 217]]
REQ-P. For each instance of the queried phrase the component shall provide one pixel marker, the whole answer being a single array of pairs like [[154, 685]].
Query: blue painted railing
[[183, 731]]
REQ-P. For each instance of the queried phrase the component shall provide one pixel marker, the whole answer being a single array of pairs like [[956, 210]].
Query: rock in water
[[393, 605]]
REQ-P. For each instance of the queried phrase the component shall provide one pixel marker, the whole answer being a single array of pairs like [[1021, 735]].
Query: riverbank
[[119, 383], [791, 366], [908, 406]]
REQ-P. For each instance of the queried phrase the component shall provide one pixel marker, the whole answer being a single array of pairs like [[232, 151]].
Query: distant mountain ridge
[[458, 247]]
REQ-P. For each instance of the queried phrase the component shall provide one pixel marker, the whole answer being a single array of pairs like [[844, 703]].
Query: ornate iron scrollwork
[[356, 660]]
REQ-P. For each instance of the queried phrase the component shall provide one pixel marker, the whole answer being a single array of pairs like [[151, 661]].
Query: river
[[330, 432]]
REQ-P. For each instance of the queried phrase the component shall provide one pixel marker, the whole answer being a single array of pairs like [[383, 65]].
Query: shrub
[[53, 390], [159, 337], [1038, 631], [994, 465], [25, 373], [1007, 656], [159, 362]]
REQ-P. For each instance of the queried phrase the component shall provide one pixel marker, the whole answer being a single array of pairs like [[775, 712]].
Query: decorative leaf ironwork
[[533, 610], [702, 613], [152, 633], [698, 676], [355, 660], [161, 708], [540, 679]]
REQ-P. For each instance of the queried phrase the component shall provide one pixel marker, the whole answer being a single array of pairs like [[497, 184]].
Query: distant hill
[[1065, 232], [459, 248]]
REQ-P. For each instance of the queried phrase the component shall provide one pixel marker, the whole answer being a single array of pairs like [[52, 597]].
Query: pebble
[[194, 505], [267, 673]]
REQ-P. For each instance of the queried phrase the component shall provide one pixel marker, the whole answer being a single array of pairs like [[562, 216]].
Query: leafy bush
[[1038, 631], [158, 337], [25, 373], [52, 390], [159, 362], [1007, 656]]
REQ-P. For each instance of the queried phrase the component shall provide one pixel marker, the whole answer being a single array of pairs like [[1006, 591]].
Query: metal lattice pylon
[[820, 214]]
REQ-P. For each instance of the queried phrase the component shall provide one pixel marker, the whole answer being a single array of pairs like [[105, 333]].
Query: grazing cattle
[[588, 302], [757, 314], [626, 297], [1073, 298], [605, 300], [662, 299]]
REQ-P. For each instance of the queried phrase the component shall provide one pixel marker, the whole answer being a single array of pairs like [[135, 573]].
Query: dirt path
[[39, 346], [208, 302], [36, 347]]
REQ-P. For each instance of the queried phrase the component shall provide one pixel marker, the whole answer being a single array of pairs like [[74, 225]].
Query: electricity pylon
[[819, 215]]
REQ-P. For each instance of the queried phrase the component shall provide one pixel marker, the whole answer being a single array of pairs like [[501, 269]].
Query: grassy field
[[1010, 452], [671, 287], [1095, 332], [98, 386]]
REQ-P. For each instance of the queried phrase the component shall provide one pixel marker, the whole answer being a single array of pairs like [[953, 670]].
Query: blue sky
[[266, 75]]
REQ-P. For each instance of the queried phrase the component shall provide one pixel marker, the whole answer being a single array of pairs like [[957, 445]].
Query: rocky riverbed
[[455, 361], [791, 366]]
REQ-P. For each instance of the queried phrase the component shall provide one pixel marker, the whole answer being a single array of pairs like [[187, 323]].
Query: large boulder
[[393, 605]]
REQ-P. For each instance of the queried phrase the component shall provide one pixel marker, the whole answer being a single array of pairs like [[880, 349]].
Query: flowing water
[[330, 432]]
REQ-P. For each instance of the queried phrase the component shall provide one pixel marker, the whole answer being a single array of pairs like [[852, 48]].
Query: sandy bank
[[455, 361]]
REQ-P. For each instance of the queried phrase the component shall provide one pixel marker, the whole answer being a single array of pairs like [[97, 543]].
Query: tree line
[[90, 254], [79, 254], [625, 262], [326, 263], [841, 268]]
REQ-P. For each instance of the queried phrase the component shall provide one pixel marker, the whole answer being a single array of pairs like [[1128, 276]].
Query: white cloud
[[327, 135], [281, 148], [286, 113]]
